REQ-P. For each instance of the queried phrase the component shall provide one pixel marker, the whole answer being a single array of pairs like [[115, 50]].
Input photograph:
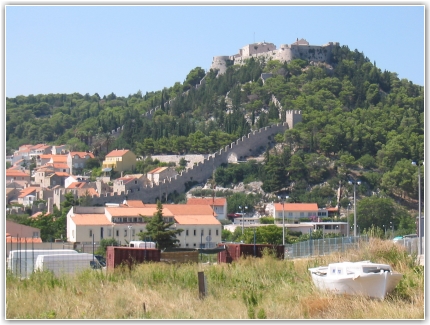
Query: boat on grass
[[356, 278]]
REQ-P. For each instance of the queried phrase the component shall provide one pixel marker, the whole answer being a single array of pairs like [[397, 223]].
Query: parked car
[[101, 260]]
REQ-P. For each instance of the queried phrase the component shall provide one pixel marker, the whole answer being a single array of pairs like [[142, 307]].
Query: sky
[[124, 49]]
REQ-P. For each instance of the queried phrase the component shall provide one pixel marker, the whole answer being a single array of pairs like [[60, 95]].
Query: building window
[[125, 232], [186, 245], [91, 233], [109, 232], [210, 232], [186, 232], [302, 214], [194, 234], [117, 233], [194, 244], [216, 232], [290, 214]]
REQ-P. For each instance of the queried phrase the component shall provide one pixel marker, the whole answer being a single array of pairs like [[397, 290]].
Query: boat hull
[[374, 285]]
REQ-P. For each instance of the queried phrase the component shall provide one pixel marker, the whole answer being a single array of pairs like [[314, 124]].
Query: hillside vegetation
[[358, 122]]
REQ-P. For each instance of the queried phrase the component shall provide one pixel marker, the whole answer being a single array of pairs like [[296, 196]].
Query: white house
[[158, 174], [292, 212]]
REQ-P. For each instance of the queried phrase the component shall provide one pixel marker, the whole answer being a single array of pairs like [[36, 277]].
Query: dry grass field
[[264, 288]]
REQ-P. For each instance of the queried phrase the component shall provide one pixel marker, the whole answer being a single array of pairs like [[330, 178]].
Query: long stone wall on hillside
[[191, 159], [248, 145]]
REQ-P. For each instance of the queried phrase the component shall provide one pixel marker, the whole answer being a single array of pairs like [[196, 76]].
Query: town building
[[123, 223], [129, 183], [17, 175], [218, 205], [76, 161], [293, 212], [158, 174], [120, 161], [17, 230]]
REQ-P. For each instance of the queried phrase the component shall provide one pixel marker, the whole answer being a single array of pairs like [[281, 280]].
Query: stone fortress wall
[[250, 145], [297, 50]]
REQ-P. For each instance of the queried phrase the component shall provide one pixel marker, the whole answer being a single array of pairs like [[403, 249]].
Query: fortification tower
[[293, 117]]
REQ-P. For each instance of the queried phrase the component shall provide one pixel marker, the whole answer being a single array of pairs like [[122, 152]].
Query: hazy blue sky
[[123, 49]]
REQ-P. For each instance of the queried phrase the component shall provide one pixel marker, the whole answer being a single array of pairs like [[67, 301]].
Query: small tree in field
[[159, 230], [104, 243]]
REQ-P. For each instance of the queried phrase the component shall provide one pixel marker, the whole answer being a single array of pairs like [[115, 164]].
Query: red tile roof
[[61, 174], [29, 191], [157, 170], [76, 185], [117, 153], [297, 207], [46, 156], [196, 220], [15, 173], [87, 191], [90, 219], [59, 159], [81, 154], [125, 180], [135, 204], [188, 209]]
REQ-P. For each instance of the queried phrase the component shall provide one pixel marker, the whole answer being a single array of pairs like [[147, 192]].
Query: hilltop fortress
[[297, 50]]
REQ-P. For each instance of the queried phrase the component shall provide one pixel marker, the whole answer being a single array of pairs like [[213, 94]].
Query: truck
[[22, 262], [142, 244], [67, 263]]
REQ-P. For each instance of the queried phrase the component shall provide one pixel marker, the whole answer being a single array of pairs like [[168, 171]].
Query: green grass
[[252, 288]]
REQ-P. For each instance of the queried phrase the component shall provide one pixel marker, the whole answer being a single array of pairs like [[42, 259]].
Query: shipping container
[[115, 256], [233, 252]]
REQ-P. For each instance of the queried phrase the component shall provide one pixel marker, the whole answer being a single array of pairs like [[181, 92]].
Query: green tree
[[104, 243], [159, 230], [379, 211]]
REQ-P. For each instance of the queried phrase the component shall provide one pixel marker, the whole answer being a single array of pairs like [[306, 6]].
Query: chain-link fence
[[24, 257], [411, 244], [325, 246]]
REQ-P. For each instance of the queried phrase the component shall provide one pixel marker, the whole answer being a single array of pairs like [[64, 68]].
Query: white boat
[[356, 278]]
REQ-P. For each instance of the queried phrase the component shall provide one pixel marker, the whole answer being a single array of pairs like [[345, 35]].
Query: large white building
[[124, 222]]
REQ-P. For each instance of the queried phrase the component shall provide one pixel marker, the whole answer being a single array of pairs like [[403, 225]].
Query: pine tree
[[159, 230]]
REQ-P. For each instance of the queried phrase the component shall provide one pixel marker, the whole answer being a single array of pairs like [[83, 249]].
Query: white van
[[142, 244], [67, 263], [21, 262]]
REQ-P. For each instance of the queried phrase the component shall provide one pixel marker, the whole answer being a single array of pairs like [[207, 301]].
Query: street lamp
[[355, 207], [240, 207], [419, 208], [129, 235], [392, 229], [385, 231], [283, 218]]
